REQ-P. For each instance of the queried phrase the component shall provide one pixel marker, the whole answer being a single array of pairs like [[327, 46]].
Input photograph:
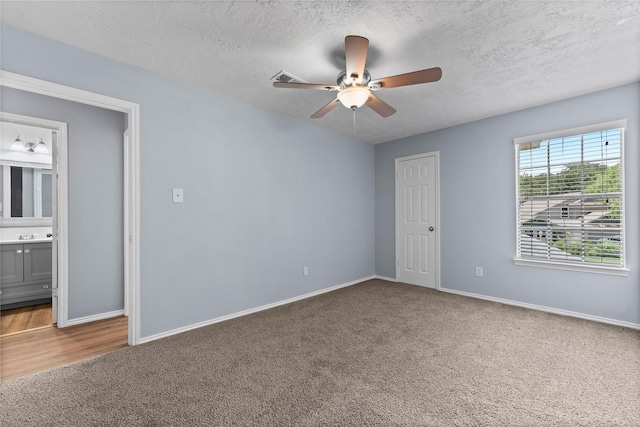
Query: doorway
[[131, 192], [418, 220], [28, 221]]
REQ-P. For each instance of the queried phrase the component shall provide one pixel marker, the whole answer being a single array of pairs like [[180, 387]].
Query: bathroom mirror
[[25, 192], [26, 184]]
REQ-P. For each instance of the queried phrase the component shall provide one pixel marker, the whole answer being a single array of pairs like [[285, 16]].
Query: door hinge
[[398, 262], [130, 239], [54, 292]]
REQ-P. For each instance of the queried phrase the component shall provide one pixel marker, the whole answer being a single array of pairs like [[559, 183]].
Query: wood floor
[[25, 318], [31, 351]]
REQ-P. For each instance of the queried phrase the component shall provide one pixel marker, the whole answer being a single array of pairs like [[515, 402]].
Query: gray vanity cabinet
[[26, 273]]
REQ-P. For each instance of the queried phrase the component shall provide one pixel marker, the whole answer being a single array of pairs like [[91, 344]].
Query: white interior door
[[417, 234]]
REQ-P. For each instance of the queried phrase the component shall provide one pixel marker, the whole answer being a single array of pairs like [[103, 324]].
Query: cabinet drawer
[[18, 292]]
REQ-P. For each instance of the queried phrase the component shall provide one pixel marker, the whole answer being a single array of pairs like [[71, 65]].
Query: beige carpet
[[373, 354]]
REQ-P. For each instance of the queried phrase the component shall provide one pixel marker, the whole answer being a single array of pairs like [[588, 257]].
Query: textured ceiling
[[496, 56]]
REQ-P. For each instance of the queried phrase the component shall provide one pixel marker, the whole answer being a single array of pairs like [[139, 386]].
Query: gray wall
[[264, 195], [95, 148], [477, 194]]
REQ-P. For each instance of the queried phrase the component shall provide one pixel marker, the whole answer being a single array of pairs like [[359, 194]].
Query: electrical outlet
[[305, 271], [479, 272]]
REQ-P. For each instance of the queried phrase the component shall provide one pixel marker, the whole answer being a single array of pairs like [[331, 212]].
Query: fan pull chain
[[354, 121]]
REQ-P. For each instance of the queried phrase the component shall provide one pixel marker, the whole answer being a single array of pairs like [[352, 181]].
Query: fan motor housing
[[346, 81]]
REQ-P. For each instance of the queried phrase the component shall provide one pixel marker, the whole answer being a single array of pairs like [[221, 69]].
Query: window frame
[[618, 270]]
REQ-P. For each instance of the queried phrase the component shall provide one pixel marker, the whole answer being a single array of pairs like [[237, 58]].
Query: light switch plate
[[178, 195]]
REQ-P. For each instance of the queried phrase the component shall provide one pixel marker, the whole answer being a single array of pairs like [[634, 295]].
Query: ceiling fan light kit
[[354, 85], [354, 96]]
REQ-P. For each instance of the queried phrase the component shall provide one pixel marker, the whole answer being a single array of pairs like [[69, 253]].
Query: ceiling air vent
[[284, 77]]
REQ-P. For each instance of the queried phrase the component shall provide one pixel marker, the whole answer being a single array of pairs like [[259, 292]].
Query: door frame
[[436, 155], [131, 187], [59, 217]]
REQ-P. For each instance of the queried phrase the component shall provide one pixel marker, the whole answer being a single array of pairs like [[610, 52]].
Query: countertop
[[12, 242]]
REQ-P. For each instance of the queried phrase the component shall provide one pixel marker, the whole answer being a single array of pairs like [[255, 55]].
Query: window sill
[[614, 271]]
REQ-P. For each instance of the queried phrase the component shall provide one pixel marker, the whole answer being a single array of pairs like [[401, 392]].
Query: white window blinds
[[570, 196]]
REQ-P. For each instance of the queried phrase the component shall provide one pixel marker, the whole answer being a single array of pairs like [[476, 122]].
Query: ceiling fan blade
[[379, 106], [324, 110], [355, 53], [306, 86], [414, 78]]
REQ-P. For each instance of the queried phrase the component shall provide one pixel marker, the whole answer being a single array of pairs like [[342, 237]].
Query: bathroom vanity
[[25, 273]]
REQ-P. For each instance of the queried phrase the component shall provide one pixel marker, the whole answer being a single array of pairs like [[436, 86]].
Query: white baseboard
[[249, 311], [547, 309], [94, 317], [389, 279]]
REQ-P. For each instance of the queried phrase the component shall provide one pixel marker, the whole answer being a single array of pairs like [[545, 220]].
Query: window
[[570, 199]]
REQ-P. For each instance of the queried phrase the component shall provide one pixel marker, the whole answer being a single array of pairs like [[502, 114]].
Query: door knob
[[431, 228], [19, 251], [26, 251]]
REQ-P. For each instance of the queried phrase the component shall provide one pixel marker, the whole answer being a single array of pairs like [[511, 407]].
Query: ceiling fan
[[354, 85]]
